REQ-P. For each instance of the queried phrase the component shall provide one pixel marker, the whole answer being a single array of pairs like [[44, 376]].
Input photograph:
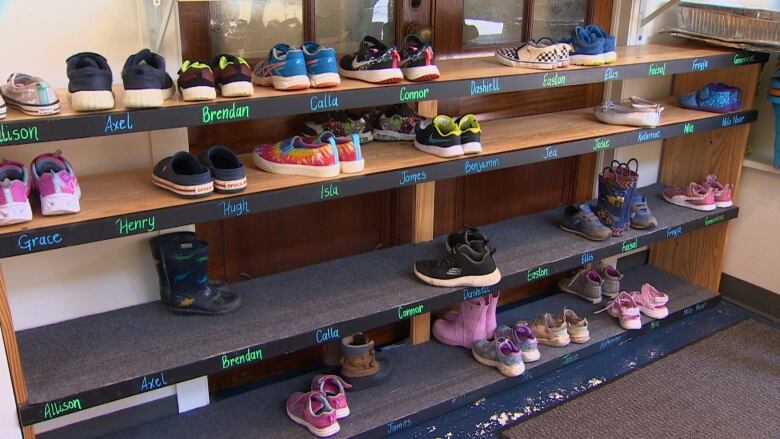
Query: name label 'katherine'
[[645, 136]]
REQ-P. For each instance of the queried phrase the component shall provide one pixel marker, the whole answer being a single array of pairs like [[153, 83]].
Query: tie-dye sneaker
[[722, 192], [693, 196], [56, 183], [294, 156], [350, 154], [15, 200], [30, 94], [313, 411]]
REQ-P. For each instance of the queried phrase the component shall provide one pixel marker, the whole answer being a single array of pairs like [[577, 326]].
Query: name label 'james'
[[398, 425], [408, 177]]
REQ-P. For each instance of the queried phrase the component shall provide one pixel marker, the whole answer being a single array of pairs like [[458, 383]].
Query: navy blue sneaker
[[440, 137], [588, 48], [89, 82], [183, 175], [321, 65], [226, 169], [147, 84], [417, 61], [374, 62], [582, 221], [610, 55]]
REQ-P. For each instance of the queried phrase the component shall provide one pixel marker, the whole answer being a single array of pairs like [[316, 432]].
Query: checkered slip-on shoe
[[529, 56]]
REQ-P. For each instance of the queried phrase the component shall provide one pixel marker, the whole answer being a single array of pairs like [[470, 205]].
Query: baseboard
[[759, 300]]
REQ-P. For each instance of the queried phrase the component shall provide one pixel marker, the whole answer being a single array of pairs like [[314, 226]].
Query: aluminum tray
[[731, 24]]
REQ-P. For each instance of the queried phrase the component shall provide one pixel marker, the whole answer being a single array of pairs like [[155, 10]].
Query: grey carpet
[[725, 386]]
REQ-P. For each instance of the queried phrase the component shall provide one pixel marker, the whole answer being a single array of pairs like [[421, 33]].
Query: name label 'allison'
[[17, 134], [54, 409]]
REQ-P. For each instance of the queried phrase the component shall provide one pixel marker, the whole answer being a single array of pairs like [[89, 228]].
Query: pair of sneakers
[[378, 63], [288, 68], [627, 307], [28, 94], [706, 196], [50, 175], [320, 409], [560, 330], [445, 137], [199, 81], [580, 219], [510, 348], [218, 169], [468, 263], [324, 155], [591, 284], [592, 46], [544, 54]]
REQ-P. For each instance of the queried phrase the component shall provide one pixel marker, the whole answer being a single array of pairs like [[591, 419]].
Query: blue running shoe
[[588, 48], [321, 65], [284, 69], [610, 55]]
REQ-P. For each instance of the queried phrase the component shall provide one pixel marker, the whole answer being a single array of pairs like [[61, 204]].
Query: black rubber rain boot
[[155, 244], [185, 268]]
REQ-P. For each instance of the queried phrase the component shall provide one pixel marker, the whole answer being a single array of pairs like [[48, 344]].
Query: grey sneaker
[[500, 353], [585, 284], [581, 220], [640, 215], [576, 326], [30, 94], [611, 277]]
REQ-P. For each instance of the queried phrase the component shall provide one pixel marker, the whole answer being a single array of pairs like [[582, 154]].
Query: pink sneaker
[[651, 302], [721, 191], [332, 386], [15, 199], [312, 410], [694, 196], [56, 183], [625, 309]]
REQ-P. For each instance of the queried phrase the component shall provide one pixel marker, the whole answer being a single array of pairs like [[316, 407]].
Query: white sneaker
[[616, 114], [2, 108], [529, 56]]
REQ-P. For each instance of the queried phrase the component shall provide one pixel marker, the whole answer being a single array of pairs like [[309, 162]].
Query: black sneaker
[[397, 123], [417, 63], [469, 236], [465, 266], [441, 137], [375, 63], [146, 83]]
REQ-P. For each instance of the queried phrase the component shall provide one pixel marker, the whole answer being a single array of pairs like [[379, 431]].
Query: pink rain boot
[[490, 315], [469, 325]]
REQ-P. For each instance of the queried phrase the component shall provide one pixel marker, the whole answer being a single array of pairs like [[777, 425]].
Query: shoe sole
[[324, 80], [202, 93], [319, 432], [484, 280], [60, 204], [353, 166], [147, 98], [392, 136], [237, 89], [471, 147], [686, 203], [303, 170], [723, 204], [531, 356], [2, 111], [557, 342], [299, 82], [421, 73], [580, 339], [577, 232], [92, 100], [382, 76], [577, 293], [505, 369], [610, 57], [194, 191], [451, 151], [342, 413], [34, 110], [14, 213], [587, 60], [230, 187], [655, 313], [526, 64], [199, 312], [626, 324]]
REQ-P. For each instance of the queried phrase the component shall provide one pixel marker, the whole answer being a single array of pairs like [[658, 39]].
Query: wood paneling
[[698, 257]]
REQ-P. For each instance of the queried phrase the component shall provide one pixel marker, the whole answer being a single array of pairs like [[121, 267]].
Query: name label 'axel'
[[118, 124]]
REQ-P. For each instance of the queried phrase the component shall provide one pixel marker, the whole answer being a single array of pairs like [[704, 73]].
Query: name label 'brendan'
[[233, 112], [249, 356]]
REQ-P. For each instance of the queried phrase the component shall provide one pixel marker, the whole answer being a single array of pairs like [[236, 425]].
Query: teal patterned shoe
[[716, 98]]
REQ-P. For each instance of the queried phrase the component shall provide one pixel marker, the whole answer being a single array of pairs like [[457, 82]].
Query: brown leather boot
[[359, 365]]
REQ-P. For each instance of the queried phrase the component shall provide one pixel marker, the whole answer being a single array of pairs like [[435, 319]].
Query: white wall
[[67, 283]]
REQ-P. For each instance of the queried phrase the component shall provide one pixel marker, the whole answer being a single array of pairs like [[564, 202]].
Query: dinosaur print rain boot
[[155, 244], [185, 265], [617, 184]]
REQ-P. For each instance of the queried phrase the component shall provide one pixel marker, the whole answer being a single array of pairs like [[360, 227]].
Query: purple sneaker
[[15, 199], [56, 183], [522, 337], [693, 196], [722, 192], [313, 411], [332, 386]]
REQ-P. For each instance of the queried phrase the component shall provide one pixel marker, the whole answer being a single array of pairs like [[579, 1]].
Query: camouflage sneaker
[[549, 330], [576, 327]]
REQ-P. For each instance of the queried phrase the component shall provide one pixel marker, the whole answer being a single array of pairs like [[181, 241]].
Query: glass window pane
[[556, 18], [342, 24], [492, 22], [250, 28]]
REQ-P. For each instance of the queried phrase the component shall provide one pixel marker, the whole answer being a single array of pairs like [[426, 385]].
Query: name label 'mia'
[[233, 112]]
